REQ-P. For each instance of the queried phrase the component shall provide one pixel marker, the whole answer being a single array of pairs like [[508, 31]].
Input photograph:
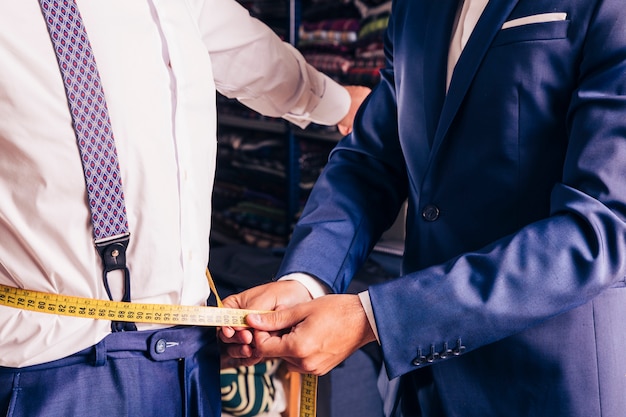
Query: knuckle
[[310, 366]]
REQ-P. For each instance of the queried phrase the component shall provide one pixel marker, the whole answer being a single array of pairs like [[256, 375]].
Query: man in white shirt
[[160, 64], [501, 123]]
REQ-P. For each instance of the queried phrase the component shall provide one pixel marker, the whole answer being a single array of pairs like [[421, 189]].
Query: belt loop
[[100, 353]]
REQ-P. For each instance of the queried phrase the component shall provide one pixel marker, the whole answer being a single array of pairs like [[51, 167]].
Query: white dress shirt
[[160, 63]]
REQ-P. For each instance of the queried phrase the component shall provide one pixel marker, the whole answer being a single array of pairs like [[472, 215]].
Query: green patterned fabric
[[248, 391]]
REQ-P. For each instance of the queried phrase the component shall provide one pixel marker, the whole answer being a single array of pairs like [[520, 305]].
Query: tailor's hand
[[357, 94], [268, 297], [322, 333]]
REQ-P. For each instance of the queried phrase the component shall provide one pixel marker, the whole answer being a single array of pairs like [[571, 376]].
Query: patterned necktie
[[92, 125], [90, 117]]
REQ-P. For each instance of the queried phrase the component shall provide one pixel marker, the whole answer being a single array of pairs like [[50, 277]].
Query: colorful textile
[[248, 391]]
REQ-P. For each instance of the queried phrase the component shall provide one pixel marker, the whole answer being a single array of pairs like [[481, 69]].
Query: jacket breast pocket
[[532, 32]]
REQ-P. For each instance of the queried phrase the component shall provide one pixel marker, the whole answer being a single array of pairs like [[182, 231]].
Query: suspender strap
[[94, 135]]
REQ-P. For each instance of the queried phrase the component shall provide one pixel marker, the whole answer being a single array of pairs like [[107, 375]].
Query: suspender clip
[[112, 250]]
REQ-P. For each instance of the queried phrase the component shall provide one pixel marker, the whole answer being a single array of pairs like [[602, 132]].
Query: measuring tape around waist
[[65, 305], [167, 314]]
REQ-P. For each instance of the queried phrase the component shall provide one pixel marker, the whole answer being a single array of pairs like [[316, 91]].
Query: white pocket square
[[537, 18]]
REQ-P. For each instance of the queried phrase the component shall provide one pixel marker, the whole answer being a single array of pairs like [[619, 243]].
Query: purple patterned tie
[[90, 117], [95, 139]]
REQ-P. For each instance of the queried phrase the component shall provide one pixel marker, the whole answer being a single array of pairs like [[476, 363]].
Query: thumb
[[273, 321]]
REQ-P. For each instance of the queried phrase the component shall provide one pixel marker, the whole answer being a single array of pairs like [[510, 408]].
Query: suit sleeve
[[356, 198]]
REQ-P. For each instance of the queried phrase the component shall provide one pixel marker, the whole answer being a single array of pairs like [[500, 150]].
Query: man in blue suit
[[512, 300]]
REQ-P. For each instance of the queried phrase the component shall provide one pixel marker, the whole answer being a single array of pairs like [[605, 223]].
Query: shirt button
[[430, 213], [160, 346]]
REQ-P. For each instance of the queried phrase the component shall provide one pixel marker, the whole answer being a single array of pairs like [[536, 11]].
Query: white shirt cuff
[[332, 107], [312, 284], [369, 312]]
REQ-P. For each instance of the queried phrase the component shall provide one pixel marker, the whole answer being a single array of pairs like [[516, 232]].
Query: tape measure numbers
[[308, 395], [115, 310], [90, 308]]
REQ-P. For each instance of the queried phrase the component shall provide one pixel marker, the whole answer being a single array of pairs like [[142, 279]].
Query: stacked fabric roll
[[344, 39], [368, 55], [251, 192]]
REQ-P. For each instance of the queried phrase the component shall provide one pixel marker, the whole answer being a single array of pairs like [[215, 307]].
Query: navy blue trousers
[[166, 373]]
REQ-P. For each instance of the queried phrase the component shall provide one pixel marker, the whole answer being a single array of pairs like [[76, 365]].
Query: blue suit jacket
[[515, 253]]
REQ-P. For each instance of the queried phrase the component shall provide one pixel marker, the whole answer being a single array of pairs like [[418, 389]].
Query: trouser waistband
[[158, 345]]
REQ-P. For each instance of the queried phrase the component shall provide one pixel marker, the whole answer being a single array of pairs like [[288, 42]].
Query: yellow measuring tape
[[72, 306], [65, 305], [308, 395]]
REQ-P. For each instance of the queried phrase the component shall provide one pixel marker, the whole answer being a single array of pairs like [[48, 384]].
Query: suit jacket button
[[419, 359], [446, 352], [459, 349], [433, 355], [430, 213]]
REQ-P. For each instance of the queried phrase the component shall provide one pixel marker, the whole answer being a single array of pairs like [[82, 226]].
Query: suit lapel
[[488, 25]]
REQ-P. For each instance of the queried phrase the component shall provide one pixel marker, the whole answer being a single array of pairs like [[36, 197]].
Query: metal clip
[[113, 253]]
